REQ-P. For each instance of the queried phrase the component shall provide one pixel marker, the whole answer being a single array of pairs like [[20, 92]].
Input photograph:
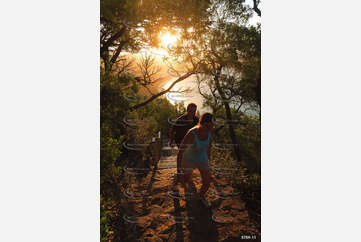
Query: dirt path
[[159, 214]]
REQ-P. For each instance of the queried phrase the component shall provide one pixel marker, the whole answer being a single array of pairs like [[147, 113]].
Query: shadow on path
[[202, 227], [177, 214], [149, 187]]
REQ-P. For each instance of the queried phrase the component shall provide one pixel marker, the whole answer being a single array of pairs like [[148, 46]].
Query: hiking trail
[[156, 213]]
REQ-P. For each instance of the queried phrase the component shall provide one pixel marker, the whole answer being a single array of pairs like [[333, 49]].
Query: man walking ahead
[[182, 125]]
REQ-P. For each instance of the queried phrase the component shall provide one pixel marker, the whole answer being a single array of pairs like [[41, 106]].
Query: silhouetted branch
[[117, 52], [255, 7], [162, 92], [111, 40]]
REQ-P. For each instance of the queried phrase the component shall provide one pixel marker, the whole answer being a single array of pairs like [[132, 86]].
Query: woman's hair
[[205, 118], [191, 105]]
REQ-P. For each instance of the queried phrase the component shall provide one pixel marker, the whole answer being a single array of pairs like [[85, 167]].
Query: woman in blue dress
[[194, 152]]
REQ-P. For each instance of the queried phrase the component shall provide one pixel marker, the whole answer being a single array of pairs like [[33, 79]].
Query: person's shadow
[[201, 227], [177, 213]]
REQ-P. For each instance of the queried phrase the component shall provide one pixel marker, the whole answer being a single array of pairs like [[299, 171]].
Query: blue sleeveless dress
[[197, 153]]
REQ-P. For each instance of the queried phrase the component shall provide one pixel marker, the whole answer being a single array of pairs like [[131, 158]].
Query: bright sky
[[254, 19]]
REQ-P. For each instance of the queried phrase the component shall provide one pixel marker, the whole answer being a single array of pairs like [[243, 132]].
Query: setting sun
[[167, 39]]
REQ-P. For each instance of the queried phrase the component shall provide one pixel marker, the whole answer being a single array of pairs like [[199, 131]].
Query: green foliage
[[109, 147], [249, 135], [104, 223], [118, 93]]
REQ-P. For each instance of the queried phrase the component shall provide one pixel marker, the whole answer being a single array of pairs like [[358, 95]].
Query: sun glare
[[167, 39]]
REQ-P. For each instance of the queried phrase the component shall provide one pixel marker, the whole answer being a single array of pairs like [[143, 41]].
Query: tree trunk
[[251, 167], [104, 49], [229, 117], [111, 40]]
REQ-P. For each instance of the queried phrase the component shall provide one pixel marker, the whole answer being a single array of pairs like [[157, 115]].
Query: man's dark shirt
[[181, 127]]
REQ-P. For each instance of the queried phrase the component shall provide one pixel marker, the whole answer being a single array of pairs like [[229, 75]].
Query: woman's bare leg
[[206, 180], [187, 172]]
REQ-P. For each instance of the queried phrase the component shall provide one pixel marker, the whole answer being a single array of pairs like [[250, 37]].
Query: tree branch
[[255, 7], [111, 40], [116, 54], [162, 92]]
